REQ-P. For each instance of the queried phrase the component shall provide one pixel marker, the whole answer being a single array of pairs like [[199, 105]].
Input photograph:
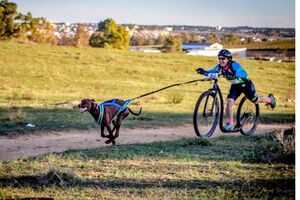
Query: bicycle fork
[[211, 110]]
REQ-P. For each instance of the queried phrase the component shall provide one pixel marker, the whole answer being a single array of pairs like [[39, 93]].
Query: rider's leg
[[233, 94], [229, 110], [229, 115], [263, 99], [270, 100], [250, 92]]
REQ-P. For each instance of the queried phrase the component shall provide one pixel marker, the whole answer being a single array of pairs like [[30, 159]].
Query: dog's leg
[[102, 131], [110, 136], [117, 127], [119, 122]]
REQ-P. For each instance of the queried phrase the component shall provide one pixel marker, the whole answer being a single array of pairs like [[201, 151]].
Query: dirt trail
[[13, 147]]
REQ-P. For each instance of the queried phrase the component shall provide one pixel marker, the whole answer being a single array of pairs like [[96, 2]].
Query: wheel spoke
[[206, 115], [248, 113]]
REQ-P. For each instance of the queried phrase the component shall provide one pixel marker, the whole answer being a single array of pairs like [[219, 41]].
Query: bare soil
[[20, 146]]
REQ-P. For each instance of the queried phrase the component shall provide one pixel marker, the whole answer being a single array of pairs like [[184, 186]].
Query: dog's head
[[86, 105]]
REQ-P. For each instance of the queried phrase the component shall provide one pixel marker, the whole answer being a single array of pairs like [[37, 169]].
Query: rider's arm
[[239, 70], [213, 70]]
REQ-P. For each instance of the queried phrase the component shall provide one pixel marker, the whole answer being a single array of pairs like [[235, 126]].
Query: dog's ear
[[93, 100]]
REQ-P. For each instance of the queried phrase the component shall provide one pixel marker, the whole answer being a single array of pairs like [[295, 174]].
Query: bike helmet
[[225, 53]]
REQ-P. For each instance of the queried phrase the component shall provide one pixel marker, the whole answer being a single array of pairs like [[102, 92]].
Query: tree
[[213, 38], [172, 44], [230, 39], [23, 25], [82, 36], [8, 12], [41, 31], [160, 40], [184, 37], [137, 41], [110, 35], [194, 38], [14, 24]]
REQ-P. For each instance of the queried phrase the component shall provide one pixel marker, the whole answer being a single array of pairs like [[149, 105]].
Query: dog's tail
[[136, 114]]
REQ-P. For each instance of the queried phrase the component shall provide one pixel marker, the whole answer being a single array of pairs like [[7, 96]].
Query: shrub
[[279, 147], [172, 44]]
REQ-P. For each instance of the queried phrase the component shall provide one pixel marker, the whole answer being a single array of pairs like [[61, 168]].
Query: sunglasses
[[222, 58]]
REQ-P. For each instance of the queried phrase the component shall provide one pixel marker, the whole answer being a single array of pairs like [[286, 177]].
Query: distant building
[[206, 49], [187, 47], [215, 46], [169, 29]]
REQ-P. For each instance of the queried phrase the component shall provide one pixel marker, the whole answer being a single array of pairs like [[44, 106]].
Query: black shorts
[[247, 88]]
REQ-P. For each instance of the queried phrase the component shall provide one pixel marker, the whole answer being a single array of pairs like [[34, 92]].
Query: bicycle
[[206, 113]]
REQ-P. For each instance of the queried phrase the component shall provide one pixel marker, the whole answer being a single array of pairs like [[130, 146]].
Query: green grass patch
[[183, 169], [15, 120]]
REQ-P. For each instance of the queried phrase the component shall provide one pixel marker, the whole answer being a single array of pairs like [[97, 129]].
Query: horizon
[[211, 13], [181, 25]]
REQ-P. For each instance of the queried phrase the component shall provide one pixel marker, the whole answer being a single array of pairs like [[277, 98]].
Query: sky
[[230, 13]]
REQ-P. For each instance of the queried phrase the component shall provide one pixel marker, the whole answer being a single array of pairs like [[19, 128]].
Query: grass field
[[35, 77], [220, 168]]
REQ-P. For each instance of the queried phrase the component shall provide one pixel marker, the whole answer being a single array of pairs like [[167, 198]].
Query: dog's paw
[[108, 141], [114, 142]]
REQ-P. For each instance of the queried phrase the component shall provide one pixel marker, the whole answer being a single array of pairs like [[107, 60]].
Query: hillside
[[280, 44], [35, 77]]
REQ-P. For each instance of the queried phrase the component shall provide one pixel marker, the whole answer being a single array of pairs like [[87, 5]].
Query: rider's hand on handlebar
[[213, 75], [200, 70]]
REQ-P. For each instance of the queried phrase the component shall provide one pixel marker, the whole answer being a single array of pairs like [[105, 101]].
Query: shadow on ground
[[57, 119]]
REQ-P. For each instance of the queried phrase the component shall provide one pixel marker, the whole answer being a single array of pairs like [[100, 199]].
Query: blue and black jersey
[[240, 83], [233, 72]]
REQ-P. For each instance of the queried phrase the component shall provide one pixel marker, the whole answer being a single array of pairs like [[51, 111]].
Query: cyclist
[[240, 83]]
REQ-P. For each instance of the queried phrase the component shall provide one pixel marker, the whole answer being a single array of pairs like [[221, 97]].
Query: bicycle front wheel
[[206, 114], [247, 116]]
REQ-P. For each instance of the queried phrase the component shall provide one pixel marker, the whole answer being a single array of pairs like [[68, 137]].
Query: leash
[[164, 88], [129, 101]]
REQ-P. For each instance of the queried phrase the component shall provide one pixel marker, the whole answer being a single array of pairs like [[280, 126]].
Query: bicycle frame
[[216, 89]]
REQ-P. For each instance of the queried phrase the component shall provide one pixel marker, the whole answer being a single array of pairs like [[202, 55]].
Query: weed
[[175, 97], [290, 96], [14, 114], [287, 139]]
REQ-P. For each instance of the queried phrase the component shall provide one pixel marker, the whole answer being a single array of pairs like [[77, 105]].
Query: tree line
[[25, 27]]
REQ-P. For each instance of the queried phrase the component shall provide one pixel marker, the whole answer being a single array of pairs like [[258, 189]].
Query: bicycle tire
[[208, 95], [252, 111]]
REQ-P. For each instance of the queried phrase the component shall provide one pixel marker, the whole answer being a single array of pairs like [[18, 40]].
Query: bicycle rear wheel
[[206, 114], [247, 116]]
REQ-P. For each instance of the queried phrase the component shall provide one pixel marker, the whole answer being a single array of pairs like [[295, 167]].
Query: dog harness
[[111, 103]]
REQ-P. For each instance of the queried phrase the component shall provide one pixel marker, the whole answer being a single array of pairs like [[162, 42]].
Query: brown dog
[[104, 117]]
